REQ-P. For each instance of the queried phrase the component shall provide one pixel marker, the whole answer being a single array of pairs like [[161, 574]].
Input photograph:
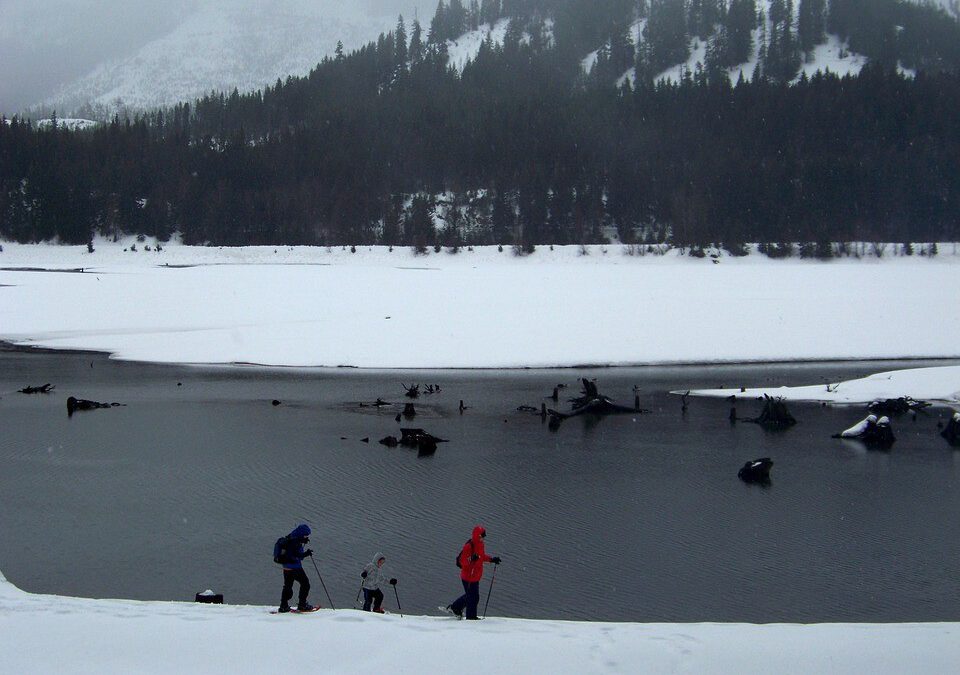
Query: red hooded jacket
[[471, 569]]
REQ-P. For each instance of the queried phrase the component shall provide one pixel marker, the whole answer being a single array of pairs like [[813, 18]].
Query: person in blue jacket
[[291, 557]]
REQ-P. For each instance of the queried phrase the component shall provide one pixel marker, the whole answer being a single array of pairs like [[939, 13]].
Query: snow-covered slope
[[224, 44], [467, 46], [50, 634]]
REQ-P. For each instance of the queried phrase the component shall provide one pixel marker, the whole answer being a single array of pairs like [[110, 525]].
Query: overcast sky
[[47, 43]]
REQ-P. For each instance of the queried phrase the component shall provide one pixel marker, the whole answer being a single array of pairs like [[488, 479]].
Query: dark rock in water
[[952, 431], [275, 402], [409, 411], [42, 389], [756, 471], [76, 404], [397, 418], [897, 406], [365, 440], [527, 409], [389, 441]]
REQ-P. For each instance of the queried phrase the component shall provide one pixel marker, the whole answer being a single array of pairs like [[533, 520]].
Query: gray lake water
[[633, 517]]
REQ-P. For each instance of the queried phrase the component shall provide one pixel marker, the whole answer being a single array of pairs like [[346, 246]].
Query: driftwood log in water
[[42, 389], [75, 404], [897, 406], [592, 402]]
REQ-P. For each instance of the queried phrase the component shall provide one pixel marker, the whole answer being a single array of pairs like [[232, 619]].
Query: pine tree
[[811, 24], [665, 35], [420, 231], [438, 25], [416, 44], [490, 11], [400, 49]]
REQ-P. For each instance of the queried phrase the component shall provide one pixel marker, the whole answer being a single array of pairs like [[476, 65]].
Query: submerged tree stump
[[592, 402], [774, 415]]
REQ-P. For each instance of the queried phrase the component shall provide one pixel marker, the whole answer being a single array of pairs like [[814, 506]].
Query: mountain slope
[[222, 45]]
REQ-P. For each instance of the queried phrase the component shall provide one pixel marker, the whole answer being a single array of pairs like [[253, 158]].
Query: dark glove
[[474, 558], [495, 560], [308, 552], [363, 574], [393, 582]]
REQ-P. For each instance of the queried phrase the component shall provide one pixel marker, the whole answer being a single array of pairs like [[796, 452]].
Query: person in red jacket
[[471, 562]]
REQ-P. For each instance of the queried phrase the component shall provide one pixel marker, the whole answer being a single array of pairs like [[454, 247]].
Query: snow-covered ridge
[[108, 636], [309, 306], [222, 45]]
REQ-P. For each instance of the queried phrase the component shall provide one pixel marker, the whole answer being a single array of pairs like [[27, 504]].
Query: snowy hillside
[[833, 55], [221, 45]]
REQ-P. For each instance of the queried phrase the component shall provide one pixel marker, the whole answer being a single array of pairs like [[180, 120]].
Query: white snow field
[[46, 634], [313, 306]]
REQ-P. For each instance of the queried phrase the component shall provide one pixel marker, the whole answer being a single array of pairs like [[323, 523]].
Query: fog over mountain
[[65, 52]]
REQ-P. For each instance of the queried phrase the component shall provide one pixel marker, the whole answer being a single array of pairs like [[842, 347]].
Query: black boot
[[284, 608]]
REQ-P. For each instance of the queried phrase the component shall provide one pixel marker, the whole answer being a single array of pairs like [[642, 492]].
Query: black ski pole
[[399, 608], [320, 576], [487, 604]]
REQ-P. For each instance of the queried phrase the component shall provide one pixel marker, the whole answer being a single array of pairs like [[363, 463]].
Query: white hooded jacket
[[375, 576]]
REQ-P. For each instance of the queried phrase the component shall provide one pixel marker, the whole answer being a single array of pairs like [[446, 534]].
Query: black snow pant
[[469, 600], [289, 576], [374, 596]]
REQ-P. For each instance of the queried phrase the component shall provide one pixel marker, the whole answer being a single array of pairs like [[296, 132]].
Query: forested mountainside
[[521, 145]]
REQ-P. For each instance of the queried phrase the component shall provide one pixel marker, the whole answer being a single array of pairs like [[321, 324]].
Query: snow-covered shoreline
[[381, 309], [938, 384], [106, 636]]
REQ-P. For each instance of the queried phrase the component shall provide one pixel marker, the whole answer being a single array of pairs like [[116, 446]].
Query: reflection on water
[[630, 517]]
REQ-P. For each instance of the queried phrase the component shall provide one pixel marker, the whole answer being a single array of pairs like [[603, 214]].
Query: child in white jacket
[[373, 578]]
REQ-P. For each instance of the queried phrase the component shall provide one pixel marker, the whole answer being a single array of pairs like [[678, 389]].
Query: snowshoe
[[449, 610]]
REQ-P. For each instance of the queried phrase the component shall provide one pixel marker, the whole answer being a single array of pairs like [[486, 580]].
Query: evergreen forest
[[524, 146]]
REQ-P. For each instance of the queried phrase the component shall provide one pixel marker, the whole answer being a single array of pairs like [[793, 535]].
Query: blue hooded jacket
[[295, 547]]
